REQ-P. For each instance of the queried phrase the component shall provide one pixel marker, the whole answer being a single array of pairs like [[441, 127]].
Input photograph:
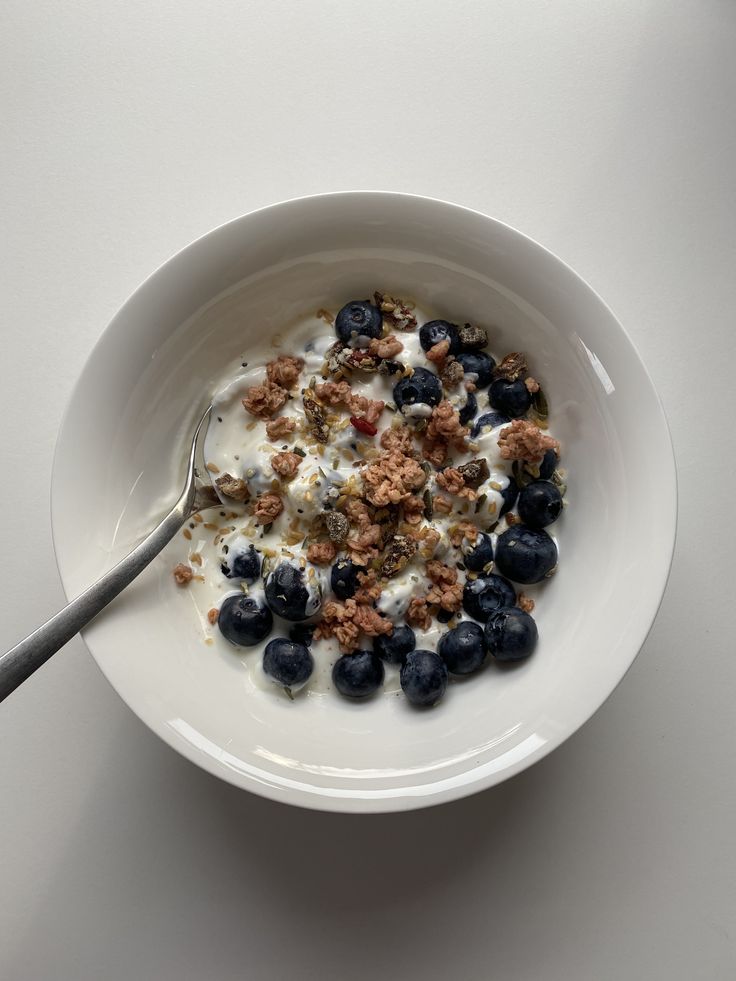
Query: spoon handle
[[26, 657], [22, 660]]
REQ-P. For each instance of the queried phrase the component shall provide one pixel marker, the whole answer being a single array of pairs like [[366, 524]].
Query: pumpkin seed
[[540, 408], [559, 481]]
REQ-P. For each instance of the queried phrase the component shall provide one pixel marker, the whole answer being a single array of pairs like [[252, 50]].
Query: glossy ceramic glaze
[[119, 463]]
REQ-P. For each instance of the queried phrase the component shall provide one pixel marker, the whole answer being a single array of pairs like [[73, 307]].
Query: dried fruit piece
[[363, 426], [398, 554], [338, 526], [315, 414], [512, 367], [474, 473], [452, 373], [472, 337], [389, 523]]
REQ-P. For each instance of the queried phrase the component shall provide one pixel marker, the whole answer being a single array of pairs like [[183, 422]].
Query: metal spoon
[[22, 660]]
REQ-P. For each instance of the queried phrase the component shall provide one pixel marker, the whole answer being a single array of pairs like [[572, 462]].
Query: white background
[[604, 129]]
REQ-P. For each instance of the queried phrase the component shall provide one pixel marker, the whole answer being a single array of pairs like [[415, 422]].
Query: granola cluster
[[264, 401], [395, 312], [340, 393], [322, 553], [385, 347], [392, 478], [348, 620], [285, 464], [446, 592], [444, 432], [280, 427], [284, 371], [451, 480], [398, 439], [183, 574], [267, 508], [522, 440]]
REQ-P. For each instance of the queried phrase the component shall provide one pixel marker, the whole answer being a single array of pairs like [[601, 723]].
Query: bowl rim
[[400, 801]]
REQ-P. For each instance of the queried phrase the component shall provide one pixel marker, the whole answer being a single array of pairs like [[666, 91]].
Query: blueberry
[[423, 677], [358, 318], [289, 596], [344, 578], [488, 421], [540, 503], [480, 364], [484, 595], [302, 633], [510, 397], [358, 675], [395, 646], [244, 621], [463, 649], [437, 331], [525, 555], [444, 616], [242, 564], [548, 465], [509, 494], [480, 554], [469, 409], [424, 387], [287, 663], [511, 634]]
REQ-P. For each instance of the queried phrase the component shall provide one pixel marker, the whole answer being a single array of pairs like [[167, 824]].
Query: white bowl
[[119, 463]]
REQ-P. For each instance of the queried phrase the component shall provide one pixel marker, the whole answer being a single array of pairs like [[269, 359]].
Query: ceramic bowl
[[119, 463]]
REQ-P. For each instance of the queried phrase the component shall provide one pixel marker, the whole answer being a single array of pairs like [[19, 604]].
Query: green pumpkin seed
[[540, 408]]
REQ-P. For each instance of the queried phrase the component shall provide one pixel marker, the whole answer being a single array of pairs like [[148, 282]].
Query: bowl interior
[[191, 324]]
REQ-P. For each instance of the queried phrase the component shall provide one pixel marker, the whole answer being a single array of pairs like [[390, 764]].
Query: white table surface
[[604, 129]]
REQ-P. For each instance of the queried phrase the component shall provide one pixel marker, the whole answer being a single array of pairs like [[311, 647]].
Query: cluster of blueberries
[[524, 553], [510, 399]]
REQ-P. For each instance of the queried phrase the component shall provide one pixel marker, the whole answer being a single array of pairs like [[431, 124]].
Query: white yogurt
[[236, 443]]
